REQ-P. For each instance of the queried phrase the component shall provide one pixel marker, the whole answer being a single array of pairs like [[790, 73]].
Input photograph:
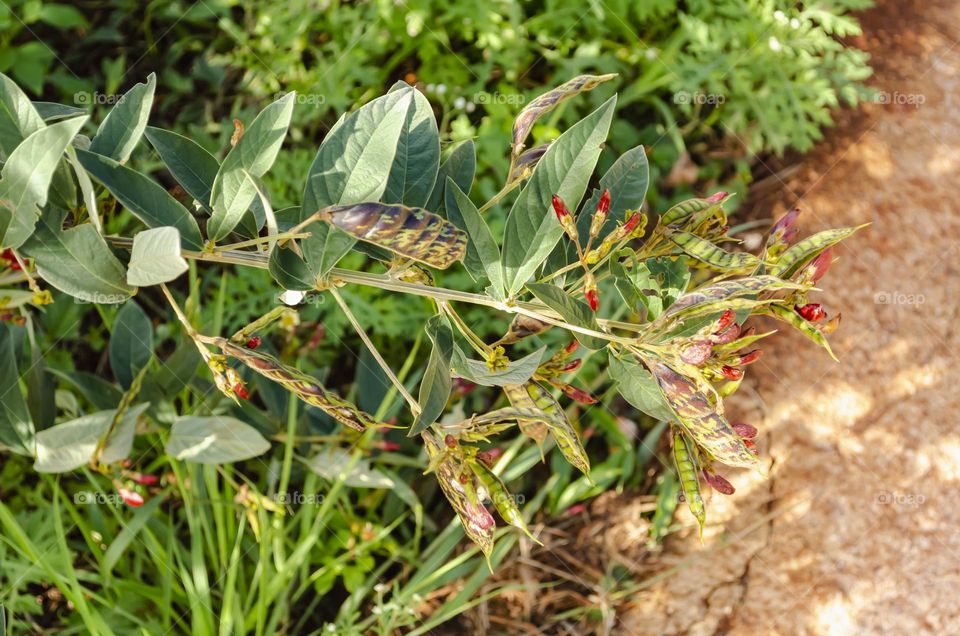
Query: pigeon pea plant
[[619, 279]]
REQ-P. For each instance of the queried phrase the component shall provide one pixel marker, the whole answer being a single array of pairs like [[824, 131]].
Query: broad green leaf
[[337, 464], [18, 117], [639, 388], [574, 311], [324, 248], [155, 257], [78, 262], [145, 198], [62, 16], [289, 270], [532, 228], [50, 111], [25, 179], [417, 158], [70, 445], [460, 166], [101, 393], [436, 383], [476, 371], [483, 253], [214, 440], [356, 157], [131, 343], [410, 232], [124, 124], [190, 164], [233, 190], [16, 426]]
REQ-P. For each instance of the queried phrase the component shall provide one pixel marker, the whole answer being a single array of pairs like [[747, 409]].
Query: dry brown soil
[[854, 527]]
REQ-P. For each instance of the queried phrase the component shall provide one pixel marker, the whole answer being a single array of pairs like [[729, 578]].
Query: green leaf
[[123, 126], [627, 179], [214, 440], [190, 164], [574, 311], [131, 528], [483, 254], [62, 16], [131, 343], [233, 190], [155, 257], [70, 445], [460, 166], [436, 383], [324, 248], [355, 159], [532, 228], [417, 158], [18, 117], [78, 262], [51, 111], [102, 394], [145, 198], [289, 270], [16, 426], [476, 371], [25, 179], [639, 388], [337, 464]]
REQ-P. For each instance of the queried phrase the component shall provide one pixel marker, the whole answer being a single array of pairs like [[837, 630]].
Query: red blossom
[[570, 348], [719, 484], [560, 208], [130, 497], [578, 395], [812, 312], [572, 366], [253, 342], [632, 223], [744, 430], [750, 357], [241, 391], [717, 197], [731, 373], [450, 441], [725, 320]]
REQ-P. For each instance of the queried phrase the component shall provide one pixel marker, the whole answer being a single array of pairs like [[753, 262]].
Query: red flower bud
[[731, 373], [253, 342], [750, 357], [719, 484], [572, 366], [576, 509], [450, 441], [241, 391], [784, 229], [717, 197], [146, 479], [725, 320], [130, 497], [463, 387], [744, 430], [632, 223], [812, 312], [591, 292], [570, 348], [560, 208], [578, 395], [816, 268], [751, 446], [389, 446], [604, 206], [726, 336]]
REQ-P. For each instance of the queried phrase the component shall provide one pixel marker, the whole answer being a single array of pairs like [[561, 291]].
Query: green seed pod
[[684, 453], [552, 418], [503, 501], [808, 329], [714, 257], [685, 209], [804, 251], [300, 384]]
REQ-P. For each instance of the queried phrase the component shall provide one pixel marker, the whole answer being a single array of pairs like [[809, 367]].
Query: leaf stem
[[414, 406]]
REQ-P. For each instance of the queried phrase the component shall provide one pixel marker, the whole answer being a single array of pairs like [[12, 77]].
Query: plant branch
[[414, 406]]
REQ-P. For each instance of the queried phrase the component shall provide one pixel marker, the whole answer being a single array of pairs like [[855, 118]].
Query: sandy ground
[[854, 527]]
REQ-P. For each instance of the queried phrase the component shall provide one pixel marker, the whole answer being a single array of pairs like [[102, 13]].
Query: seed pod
[[802, 252], [718, 483], [302, 385], [744, 430], [713, 257], [685, 457], [812, 312], [722, 294], [791, 317], [550, 417], [502, 500], [410, 232], [699, 419], [523, 327], [524, 165]]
